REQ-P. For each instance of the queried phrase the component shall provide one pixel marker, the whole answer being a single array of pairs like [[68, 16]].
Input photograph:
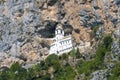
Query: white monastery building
[[61, 44]]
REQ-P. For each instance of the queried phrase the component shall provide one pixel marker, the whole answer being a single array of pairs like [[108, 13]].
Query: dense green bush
[[16, 72], [115, 74], [64, 56], [53, 60], [65, 73], [107, 41], [75, 53], [87, 67]]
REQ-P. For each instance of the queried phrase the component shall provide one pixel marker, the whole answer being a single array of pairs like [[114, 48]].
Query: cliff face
[[24, 24]]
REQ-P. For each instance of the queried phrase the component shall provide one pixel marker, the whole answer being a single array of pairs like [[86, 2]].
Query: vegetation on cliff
[[65, 67]]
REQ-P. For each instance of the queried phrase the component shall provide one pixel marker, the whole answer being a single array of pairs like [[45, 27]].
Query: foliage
[[75, 53], [65, 73], [52, 60], [94, 30], [107, 41], [51, 35], [87, 67], [15, 72], [78, 55], [115, 72], [100, 53], [60, 68], [64, 56], [72, 53]]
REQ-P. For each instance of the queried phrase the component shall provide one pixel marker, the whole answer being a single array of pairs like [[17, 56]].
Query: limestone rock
[[24, 24], [99, 75]]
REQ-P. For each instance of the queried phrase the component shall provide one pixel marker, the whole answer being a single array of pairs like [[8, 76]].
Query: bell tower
[[59, 32]]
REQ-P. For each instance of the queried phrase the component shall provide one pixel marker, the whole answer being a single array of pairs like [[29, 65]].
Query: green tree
[[116, 70], [64, 56], [65, 73], [94, 30], [73, 53], [107, 42], [15, 72], [4, 75], [78, 55], [115, 73], [53, 60]]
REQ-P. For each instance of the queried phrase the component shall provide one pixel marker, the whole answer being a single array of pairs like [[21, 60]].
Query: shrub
[[107, 42], [52, 60], [115, 73]]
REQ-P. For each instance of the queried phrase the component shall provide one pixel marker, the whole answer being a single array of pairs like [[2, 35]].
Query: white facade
[[61, 44]]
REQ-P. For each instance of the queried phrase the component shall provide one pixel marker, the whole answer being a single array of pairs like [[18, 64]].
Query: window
[[15, 1], [54, 40], [29, 1], [61, 31], [61, 43]]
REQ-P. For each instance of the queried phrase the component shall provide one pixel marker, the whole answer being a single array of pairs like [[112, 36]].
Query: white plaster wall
[[62, 46]]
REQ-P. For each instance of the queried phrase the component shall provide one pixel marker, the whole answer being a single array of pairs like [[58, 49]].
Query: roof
[[59, 26]]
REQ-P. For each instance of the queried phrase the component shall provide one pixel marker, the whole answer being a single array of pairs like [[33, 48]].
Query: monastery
[[61, 44]]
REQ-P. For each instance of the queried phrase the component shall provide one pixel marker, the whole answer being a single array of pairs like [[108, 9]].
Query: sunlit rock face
[[25, 22]]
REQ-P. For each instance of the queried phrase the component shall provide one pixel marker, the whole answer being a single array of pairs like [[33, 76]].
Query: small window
[[61, 31], [16, 0], [30, 1], [54, 40]]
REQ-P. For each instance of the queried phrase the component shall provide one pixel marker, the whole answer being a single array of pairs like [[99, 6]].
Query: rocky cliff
[[25, 23]]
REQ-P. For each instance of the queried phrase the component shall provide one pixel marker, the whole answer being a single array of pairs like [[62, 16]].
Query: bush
[[87, 67], [65, 73], [15, 72], [52, 60], [94, 30], [75, 53], [78, 55], [107, 42], [72, 53], [115, 73], [64, 56], [116, 70]]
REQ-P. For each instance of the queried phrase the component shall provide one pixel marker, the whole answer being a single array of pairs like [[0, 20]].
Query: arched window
[[61, 31]]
